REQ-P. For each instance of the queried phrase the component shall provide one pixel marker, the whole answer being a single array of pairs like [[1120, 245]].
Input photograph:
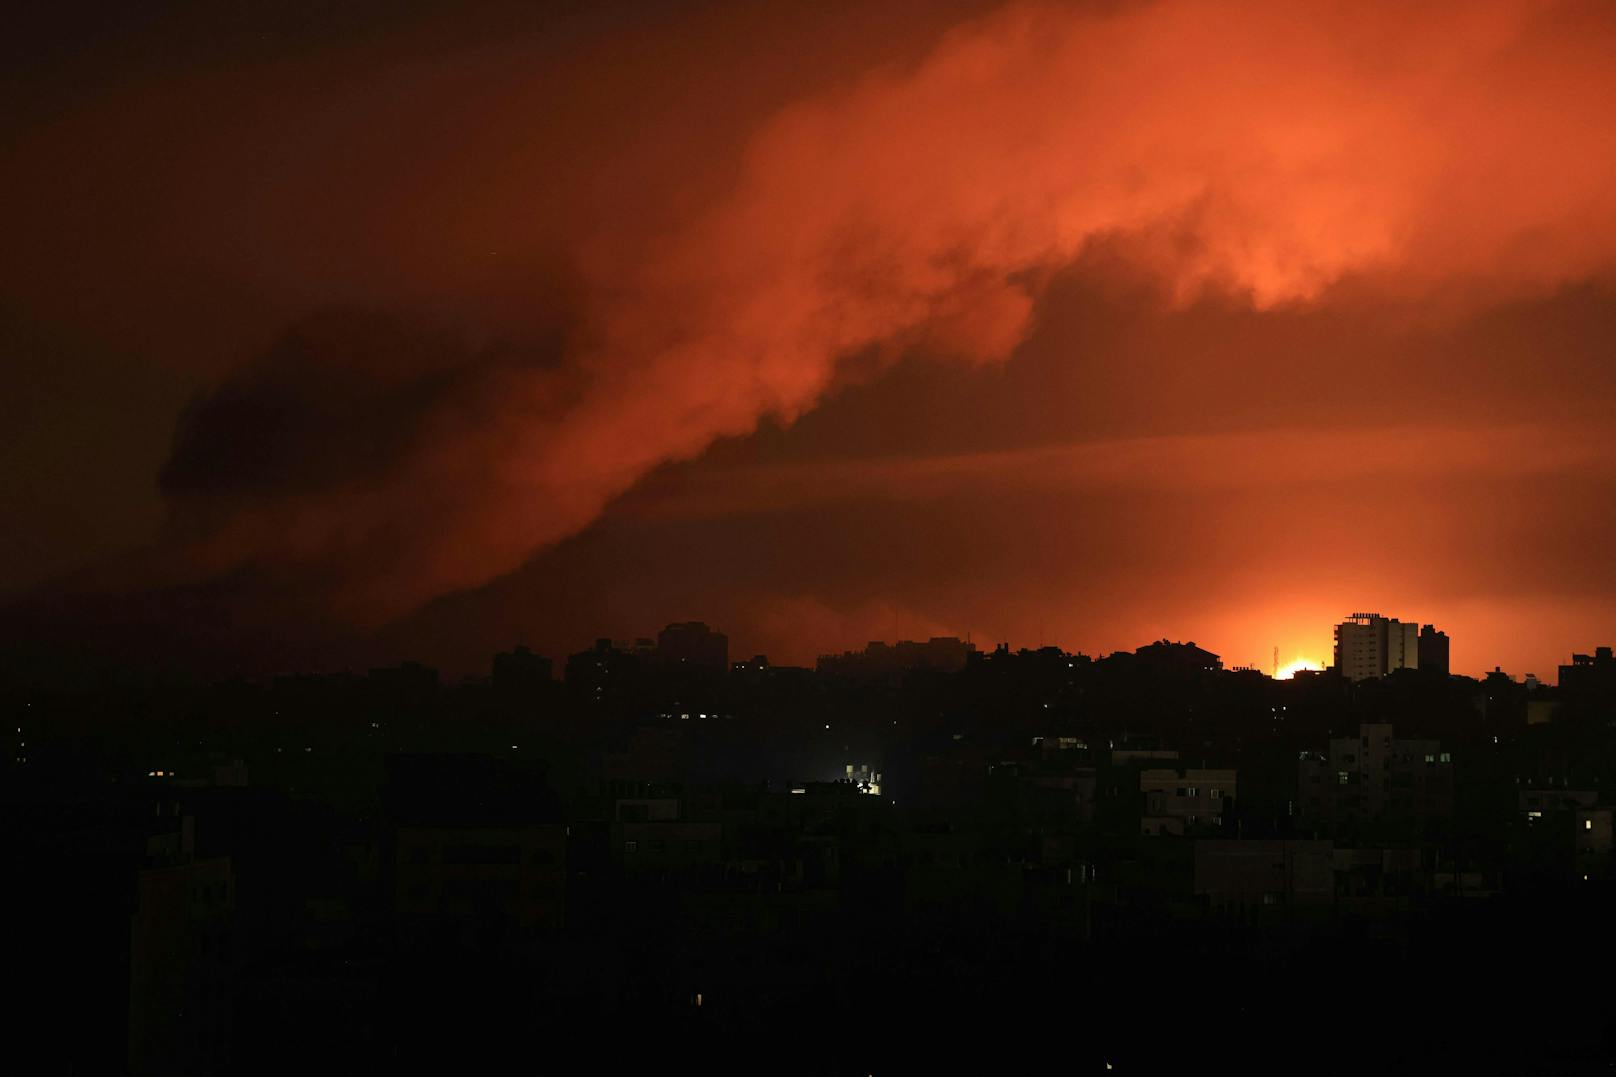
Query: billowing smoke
[[1278, 151]]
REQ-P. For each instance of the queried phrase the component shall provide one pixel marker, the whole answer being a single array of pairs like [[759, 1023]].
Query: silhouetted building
[[653, 752], [1375, 778], [408, 680], [1433, 650], [604, 673], [1249, 881], [1368, 645], [943, 654], [1504, 701], [1257, 879], [121, 935], [478, 854], [653, 834], [1185, 801], [752, 670], [521, 672], [1536, 802], [1165, 656], [1592, 831], [1567, 832], [1139, 750], [1590, 674], [1541, 710], [1372, 881], [179, 965], [692, 645]]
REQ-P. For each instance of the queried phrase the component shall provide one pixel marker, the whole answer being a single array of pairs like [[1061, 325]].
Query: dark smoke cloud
[[351, 454], [1260, 181], [1252, 150]]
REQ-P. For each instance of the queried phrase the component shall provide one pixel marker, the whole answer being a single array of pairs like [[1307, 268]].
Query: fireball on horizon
[[1290, 669]]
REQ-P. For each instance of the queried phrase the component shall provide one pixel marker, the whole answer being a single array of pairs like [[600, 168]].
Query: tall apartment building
[[1433, 649], [1368, 645]]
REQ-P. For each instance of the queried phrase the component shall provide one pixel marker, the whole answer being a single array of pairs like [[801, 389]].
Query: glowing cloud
[[1272, 150]]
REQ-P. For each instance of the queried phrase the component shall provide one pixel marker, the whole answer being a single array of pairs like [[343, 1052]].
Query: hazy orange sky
[[335, 335]]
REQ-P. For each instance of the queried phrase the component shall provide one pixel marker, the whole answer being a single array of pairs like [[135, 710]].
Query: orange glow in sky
[[1089, 324]]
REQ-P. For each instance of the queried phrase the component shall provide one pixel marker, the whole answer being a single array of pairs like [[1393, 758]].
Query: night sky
[[335, 333]]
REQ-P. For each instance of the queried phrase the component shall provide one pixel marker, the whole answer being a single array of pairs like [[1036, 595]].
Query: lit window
[[631, 846], [1445, 757], [1587, 824], [1217, 794]]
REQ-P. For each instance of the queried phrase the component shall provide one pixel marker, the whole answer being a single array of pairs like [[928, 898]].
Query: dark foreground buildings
[[916, 857]]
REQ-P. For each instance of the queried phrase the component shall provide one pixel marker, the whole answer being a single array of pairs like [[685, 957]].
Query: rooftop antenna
[[1276, 660]]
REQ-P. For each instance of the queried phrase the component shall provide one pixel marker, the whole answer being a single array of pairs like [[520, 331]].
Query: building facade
[[1185, 801], [1375, 780], [1368, 645], [1433, 650]]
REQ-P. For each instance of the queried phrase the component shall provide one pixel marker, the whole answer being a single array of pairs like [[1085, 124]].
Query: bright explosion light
[[1289, 670]]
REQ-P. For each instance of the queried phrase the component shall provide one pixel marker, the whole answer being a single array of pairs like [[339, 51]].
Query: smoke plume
[[1279, 152]]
